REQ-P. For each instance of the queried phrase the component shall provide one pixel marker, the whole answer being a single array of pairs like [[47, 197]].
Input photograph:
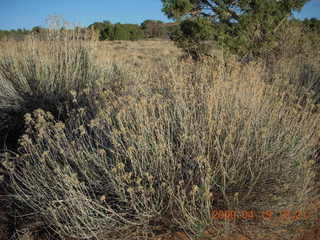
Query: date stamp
[[285, 215]]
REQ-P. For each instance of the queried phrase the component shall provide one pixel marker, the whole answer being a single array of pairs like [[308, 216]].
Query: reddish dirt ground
[[257, 234], [313, 234], [247, 234]]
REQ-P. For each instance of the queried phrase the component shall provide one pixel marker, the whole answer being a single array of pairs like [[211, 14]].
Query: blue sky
[[29, 13]]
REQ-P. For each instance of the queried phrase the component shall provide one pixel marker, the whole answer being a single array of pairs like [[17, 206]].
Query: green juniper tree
[[118, 31], [243, 26]]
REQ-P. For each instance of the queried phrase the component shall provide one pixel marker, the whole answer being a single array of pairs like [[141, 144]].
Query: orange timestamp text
[[285, 215]]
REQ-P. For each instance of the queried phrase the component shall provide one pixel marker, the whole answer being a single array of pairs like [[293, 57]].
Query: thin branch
[[281, 22]]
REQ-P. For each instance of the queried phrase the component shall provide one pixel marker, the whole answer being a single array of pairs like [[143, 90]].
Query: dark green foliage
[[18, 34], [104, 29], [37, 29], [193, 36], [312, 31], [243, 26], [120, 33], [126, 32], [312, 25], [109, 31], [134, 31], [177, 8], [3, 34]]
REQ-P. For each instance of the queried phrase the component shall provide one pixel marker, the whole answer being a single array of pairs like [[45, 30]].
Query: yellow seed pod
[[73, 93], [120, 166], [131, 150], [163, 184], [139, 181], [59, 126], [82, 130], [86, 91], [101, 152], [308, 164], [94, 123], [28, 118], [41, 132], [127, 176], [45, 154], [82, 110], [195, 188], [50, 116]]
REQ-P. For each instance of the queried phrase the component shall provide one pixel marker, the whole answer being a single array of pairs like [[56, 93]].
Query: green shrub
[[109, 31], [104, 29], [193, 37]]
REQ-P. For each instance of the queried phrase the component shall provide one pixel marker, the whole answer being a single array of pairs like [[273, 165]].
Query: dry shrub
[[169, 151], [51, 75], [295, 60]]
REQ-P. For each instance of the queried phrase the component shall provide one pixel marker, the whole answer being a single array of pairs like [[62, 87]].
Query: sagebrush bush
[[168, 152], [52, 75]]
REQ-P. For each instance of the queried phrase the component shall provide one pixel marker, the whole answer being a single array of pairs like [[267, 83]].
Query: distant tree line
[[118, 31], [18, 34], [107, 31], [147, 30]]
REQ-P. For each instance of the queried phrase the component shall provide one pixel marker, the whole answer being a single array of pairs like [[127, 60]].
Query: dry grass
[[150, 142], [136, 52]]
